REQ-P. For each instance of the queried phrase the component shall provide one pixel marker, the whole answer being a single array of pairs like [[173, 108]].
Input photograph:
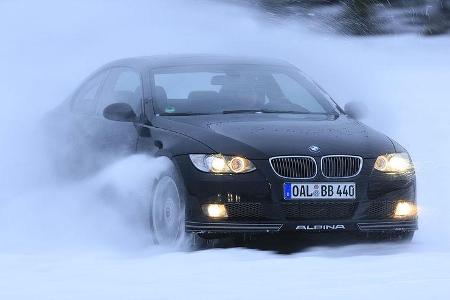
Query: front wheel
[[167, 213]]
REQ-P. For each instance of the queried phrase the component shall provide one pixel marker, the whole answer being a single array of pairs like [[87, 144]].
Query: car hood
[[260, 136]]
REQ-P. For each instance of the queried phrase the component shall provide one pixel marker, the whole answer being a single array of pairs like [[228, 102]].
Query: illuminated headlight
[[221, 164], [405, 209], [215, 211], [394, 163]]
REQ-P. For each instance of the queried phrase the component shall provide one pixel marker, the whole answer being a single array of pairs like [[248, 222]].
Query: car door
[[122, 85]]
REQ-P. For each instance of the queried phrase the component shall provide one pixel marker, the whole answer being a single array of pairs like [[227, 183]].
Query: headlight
[[394, 163], [221, 164]]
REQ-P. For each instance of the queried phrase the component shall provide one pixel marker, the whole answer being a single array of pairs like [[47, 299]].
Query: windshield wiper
[[242, 111], [270, 111], [183, 114], [294, 112]]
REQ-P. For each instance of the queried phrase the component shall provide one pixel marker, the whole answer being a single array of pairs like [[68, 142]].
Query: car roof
[[161, 61]]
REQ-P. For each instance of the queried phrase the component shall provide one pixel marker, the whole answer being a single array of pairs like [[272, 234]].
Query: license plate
[[299, 191]]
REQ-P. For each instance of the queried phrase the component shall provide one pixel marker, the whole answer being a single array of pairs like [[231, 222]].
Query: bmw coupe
[[255, 147]]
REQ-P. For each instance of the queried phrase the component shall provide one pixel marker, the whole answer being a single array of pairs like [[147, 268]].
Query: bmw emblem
[[314, 148]]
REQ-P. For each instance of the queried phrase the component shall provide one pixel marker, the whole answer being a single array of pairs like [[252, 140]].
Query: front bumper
[[241, 227], [255, 202]]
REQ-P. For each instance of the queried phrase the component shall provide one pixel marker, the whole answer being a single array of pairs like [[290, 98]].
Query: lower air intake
[[330, 210], [381, 210], [244, 211]]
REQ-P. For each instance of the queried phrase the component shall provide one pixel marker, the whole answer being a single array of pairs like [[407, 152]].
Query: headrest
[[160, 98], [160, 93]]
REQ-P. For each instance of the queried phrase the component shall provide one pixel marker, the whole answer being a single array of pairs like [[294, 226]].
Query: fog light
[[215, 210], [405, 209]]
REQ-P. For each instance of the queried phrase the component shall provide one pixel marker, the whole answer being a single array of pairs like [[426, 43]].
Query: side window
[[122, 85], [85, 100]]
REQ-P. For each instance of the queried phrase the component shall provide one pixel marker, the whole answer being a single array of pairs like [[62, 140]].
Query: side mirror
[[356, 110], [121, 112]]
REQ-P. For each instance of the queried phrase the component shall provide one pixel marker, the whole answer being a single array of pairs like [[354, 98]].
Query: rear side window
[[123, 85], [85, 101]]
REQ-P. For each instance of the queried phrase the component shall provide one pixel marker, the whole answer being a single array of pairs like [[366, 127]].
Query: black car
[[256, 147]]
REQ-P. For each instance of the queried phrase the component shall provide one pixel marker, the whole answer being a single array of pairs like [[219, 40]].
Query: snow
[[86, 239], [343, 273]]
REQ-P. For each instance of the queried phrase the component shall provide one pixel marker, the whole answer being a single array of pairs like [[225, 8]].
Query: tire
[[167, 214], [167, 211]]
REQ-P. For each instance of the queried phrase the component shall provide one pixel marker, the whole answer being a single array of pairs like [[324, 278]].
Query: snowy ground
[[68, 240], [383, 272]]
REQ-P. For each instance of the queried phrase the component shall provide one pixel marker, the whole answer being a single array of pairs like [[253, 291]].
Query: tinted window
[[85, 101], [227, 88], [123, 85]]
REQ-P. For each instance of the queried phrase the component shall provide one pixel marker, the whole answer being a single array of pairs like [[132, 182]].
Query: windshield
[[236, 89]]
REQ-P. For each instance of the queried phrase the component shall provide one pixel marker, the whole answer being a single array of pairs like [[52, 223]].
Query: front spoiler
[[389, 226], [268, 227], [232, 227]]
